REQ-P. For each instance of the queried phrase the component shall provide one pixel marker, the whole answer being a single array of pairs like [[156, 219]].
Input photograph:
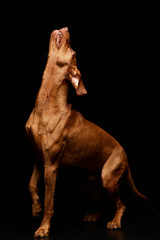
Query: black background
[[117, 54]]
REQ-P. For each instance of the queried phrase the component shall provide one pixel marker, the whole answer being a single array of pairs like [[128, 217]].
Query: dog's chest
[[40, 126]]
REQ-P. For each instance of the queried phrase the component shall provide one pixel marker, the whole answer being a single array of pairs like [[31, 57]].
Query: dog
[[63, 137]]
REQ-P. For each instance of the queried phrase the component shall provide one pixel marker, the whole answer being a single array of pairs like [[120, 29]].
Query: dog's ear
[[81, 90], [74, 76]]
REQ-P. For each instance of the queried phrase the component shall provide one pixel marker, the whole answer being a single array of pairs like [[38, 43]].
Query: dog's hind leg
[[94, 190], [112, 172], [36, 205]]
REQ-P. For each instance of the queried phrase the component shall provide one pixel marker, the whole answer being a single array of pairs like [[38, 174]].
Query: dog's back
[[86, 145]]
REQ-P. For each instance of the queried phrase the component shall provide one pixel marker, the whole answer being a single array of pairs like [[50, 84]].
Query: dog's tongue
[[58, 39]]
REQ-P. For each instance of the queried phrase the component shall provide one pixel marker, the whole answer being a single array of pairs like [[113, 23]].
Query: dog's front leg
[[50, 174], [36, 205]]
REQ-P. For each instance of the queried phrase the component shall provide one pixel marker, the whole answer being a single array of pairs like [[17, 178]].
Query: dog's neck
[[54, 88]]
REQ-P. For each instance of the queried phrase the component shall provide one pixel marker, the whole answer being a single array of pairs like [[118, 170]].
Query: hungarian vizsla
[[62, 136]]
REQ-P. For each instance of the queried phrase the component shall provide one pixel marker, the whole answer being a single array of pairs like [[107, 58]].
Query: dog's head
[[65, 58]]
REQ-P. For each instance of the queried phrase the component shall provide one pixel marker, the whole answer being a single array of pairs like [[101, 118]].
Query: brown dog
[[62, 136]]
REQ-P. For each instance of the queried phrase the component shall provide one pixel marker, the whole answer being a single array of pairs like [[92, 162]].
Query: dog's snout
[[59, 37], [54, 33], [66, 29]]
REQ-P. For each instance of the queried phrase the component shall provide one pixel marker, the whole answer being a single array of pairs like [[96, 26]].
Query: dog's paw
[[113, 225], [42, 232], [89, 218], [94, 217], [36, 209]]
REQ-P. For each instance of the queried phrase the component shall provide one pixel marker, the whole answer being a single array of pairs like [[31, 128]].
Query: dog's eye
[[61, 64]]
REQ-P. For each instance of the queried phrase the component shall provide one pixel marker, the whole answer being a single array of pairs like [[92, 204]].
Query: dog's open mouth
[[58, 39]]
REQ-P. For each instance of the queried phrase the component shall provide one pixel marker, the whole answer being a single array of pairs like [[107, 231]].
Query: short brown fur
[[62, 136]]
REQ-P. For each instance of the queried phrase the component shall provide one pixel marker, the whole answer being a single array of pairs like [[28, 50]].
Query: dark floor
[[77, 231], [141, 220]]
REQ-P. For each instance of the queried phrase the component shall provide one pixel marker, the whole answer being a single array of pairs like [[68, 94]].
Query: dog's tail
[[132, 185]]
